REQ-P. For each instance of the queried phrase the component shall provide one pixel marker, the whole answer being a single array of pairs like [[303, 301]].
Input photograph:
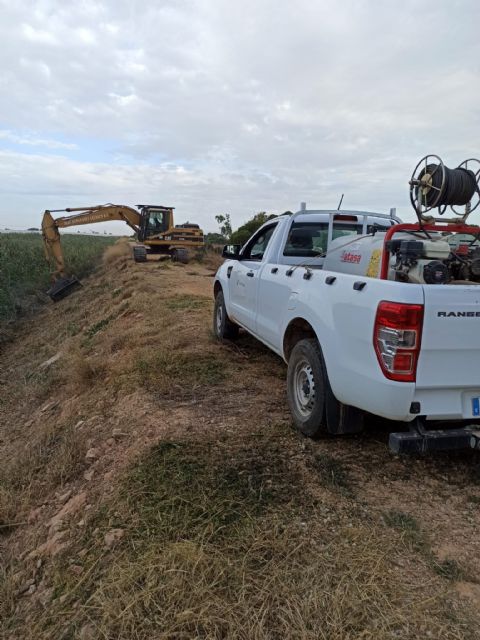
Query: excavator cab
[[155, 220]]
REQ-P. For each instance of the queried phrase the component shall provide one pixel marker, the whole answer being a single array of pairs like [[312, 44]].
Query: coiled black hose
[[458, 189]]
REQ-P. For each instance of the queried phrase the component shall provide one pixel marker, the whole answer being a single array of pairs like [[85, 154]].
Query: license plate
[[476, 406]]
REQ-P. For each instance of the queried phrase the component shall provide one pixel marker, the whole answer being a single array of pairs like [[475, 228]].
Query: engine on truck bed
[[436, 261]]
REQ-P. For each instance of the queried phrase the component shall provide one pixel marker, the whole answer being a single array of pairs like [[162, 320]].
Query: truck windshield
[[309, 239]]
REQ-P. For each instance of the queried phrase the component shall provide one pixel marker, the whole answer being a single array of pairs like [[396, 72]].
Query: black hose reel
[[433, 185]]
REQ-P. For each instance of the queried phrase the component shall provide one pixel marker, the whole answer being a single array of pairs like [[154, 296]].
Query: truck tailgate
[[450, 351]]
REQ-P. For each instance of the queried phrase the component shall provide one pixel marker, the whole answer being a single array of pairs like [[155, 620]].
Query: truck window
[[256, 246], [309, 239]]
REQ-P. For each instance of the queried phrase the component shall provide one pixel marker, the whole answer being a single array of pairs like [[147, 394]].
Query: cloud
[[32, 141], [253, 105]]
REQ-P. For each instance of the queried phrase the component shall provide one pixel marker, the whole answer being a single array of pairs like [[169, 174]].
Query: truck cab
[[257, 295]]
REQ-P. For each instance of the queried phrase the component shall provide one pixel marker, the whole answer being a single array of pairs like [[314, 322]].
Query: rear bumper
[[448, 403]]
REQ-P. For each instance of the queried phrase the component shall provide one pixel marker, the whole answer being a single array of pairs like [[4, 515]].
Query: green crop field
[[25, 274]]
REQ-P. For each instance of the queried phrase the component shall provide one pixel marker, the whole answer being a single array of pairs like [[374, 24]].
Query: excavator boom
[[100, 213]]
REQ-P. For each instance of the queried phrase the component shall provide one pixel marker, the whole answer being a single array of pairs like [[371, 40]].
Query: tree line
[[226, 235]]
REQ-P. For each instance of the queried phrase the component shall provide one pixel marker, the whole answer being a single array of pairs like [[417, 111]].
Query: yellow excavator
[[153, 225]]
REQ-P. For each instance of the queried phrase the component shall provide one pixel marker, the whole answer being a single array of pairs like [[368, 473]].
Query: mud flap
[[63, 287]]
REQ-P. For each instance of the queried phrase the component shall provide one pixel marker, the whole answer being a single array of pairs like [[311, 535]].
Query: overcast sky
[[216, 106]]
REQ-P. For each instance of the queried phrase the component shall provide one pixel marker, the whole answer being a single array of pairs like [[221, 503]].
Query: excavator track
[[140, 253], [180, 255]]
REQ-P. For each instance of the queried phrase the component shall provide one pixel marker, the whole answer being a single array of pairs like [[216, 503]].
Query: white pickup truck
[[404, 345]]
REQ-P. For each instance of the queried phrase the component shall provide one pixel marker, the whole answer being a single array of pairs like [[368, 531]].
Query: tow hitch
[[421, 440]]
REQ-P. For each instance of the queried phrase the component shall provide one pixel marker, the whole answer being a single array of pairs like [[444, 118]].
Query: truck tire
[[223, 327], [315, 410], [140, 254]]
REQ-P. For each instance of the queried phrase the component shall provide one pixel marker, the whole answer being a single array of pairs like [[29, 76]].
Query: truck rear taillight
[[396, 338]]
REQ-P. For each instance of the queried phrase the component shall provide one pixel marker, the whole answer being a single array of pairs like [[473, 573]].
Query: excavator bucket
[[63, 287]]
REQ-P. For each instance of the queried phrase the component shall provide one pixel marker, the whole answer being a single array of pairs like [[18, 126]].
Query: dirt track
[[91, 384]]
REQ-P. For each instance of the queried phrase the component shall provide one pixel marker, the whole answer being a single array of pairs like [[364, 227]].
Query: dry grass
[[53, 456], [80, 372], [122, 249], [212, 260], [222, 542]]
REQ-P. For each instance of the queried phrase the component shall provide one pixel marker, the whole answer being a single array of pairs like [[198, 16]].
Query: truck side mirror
[[231, 251]]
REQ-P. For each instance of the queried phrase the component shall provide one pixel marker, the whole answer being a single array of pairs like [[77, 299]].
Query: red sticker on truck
[[348, 256]]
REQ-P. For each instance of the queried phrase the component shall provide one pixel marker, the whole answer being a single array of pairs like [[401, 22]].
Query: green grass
[[24, 272], [186, 302], [98, 326], [166, 370]]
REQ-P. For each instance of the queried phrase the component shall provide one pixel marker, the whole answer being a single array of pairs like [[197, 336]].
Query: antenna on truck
[[340, 203]]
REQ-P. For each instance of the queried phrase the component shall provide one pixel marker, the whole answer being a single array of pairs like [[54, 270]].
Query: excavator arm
[[86, 215]]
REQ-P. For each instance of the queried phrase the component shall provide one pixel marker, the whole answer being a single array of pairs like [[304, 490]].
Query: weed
[[176, 485], [72, 328], [448, 569], [98, 326], [408, 526], [162, 371], [402, 521], [179, 303], [332, 473]]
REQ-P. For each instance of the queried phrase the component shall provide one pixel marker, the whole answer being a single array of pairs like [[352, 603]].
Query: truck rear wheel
[[315, 410], [223, 327]]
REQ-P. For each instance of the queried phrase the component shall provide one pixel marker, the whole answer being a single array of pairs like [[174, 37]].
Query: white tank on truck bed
[[361, 256], [411, 253]]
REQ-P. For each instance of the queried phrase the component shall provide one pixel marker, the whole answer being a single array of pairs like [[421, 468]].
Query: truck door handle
[[250, 274], [274, 270]]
